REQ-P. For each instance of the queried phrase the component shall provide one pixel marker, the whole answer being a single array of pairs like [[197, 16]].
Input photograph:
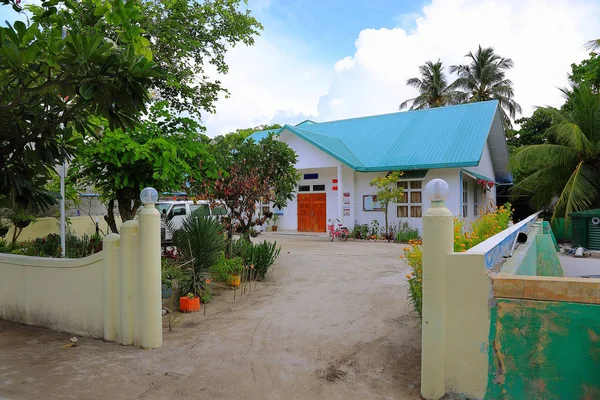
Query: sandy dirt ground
[[331, 321]]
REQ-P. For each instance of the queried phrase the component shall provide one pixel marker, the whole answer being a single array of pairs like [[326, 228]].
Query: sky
[[333, 59]]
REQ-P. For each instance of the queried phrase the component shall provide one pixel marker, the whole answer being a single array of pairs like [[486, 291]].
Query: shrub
[[199, 239], [49, 246], [263, 256], [414, 258], [406, 233], [486, 226], [226, 267]]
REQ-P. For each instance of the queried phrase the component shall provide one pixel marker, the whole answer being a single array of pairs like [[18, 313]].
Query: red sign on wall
[[334, 181], [334, 188]]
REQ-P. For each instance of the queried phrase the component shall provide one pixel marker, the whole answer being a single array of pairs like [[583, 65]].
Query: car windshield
[[162, 207]]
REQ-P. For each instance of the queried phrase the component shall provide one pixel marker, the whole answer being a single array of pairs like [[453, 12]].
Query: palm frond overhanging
[[433, 88], [565, 171], [484, 78]]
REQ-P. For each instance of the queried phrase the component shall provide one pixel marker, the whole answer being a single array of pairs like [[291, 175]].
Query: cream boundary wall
[[114, 295], [63, 295], [47, 225]]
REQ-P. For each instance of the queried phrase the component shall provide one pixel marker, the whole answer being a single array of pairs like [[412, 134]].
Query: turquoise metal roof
[[260, 135], [444, 137], [478, 176]]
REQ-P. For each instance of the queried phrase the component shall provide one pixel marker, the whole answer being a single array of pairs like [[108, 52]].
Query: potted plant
[[189, 303], [274, 218], [228, 270]]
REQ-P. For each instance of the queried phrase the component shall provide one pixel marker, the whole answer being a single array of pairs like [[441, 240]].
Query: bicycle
[[341, 232]]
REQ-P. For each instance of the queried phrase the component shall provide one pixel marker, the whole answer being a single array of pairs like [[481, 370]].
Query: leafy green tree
[[185, 37], [433, 88], [52, 87], [388, 192], [248, 173], [588, 71], [532, 130], [164, 152], [484, 78], [566, 168]]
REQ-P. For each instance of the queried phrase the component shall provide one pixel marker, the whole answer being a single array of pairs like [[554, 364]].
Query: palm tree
[[484, 79], [593, 45], [566, 170], [433, 88]]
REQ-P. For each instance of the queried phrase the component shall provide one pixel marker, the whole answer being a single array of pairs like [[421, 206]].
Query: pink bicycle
[[341, 232]]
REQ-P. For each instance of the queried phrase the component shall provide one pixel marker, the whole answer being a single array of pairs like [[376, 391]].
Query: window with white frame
[[465, 198], [410, 203], [477, 195]]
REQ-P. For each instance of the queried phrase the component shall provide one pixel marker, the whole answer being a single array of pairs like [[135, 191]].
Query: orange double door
[[312, 212]]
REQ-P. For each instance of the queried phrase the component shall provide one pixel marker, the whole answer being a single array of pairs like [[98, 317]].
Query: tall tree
[[250, 173], [164, 152], [388, 192], [52, 86], [188, 39], [567, 168], [589, 69], [433, 88], [484, 78]]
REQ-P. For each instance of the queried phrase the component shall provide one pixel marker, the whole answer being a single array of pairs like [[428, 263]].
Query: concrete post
[[149, 297], [110, 248], [438, 241], [127, 264]]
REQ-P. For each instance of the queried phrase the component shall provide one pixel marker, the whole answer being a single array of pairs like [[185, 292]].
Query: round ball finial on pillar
[[438, 242], [437, 191], [149, 195], [149, 300]]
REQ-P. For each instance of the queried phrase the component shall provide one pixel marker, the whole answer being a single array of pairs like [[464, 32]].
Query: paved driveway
[[330, 322]]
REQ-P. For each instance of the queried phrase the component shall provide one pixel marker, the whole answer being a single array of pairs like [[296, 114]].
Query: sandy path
[[327, 310]]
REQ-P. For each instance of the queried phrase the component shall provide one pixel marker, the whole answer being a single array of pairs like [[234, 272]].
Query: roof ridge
[[337, 138], [411, 111]]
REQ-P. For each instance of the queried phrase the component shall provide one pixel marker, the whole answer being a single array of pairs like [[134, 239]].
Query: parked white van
[[176, 211]]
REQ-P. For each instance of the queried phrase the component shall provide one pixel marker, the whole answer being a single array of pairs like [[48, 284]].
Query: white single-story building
[[465, 145]]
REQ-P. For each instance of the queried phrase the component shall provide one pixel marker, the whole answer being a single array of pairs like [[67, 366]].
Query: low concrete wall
[[114, 294], [544, 350], [47, 225], [63, 295]]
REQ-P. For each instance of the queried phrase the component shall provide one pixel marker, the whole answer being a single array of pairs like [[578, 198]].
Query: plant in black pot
[[20, 220]]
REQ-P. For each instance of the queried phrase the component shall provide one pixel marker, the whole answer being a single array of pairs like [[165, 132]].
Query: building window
[[465, 199], [311, 176], [411, 201], [304, 188], [318, 188], [476, 195]]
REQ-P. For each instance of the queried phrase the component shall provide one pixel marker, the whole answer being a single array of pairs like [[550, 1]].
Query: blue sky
[[329, 28], [334, 59]]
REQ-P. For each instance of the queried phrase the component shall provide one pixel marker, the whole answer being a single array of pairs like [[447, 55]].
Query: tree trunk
[[110, 218], [387, 231]]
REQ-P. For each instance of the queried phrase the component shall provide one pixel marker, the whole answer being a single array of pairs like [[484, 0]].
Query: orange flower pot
[[234, 280], [189, 305]]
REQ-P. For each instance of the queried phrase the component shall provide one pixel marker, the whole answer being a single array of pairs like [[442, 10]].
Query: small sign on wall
[[346, 212], [347, 198], [334, 188], [334, 180], [370, 203]]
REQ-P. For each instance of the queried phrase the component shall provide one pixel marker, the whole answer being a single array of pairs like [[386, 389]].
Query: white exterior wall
[[362, 187], [485, 168], [313, 160]]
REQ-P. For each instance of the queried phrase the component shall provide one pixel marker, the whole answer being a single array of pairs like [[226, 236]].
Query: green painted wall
[[541, 258], [543, 350], [561, 233]]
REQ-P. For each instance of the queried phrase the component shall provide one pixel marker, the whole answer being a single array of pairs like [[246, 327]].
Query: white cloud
[[268, 83], [543, 37]]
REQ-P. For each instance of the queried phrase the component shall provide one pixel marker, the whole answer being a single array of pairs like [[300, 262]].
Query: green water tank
[[586, 229]]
